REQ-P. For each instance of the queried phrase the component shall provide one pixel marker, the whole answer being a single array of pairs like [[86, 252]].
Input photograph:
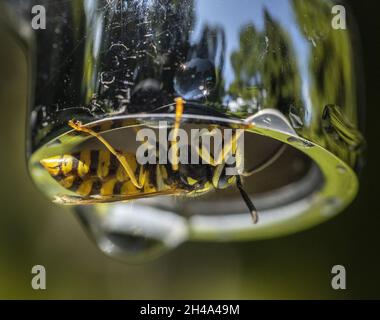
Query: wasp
[[110, 175]]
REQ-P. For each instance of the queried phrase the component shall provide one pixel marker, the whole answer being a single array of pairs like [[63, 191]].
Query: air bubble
[[341, 169], [107, 77], [196, 79]]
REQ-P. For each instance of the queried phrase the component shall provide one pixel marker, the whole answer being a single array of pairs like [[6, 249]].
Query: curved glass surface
[[236, 61]]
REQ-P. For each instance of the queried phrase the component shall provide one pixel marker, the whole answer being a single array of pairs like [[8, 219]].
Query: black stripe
[[152, 175], [96, 186], [76, 183], [60, 176], [76, 157], [94, 156], [173, 176], [117, 188], [114, 165]]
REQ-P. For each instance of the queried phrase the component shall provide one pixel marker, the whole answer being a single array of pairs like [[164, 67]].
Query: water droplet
[[107, 77], [331, 206], [126, 235], [267, 120], [341, 169], [196, 79], [300, 142], [295, 117]]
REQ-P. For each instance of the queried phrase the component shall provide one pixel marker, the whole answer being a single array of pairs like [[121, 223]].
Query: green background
[[34, 231]]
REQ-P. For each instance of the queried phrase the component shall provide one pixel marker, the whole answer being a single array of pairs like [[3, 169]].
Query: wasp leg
[[142, 175], [230, 147], [203, 153], [247, 200], [266, 163], [206, 156], [78, 126], [73, 200], [178, 116]]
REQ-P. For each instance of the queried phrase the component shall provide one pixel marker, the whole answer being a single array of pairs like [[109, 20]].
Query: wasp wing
[[74, 200]]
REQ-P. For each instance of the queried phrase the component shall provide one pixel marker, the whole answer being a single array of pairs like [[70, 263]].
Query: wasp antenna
[[179, 108], [178, 116], [247, 200]]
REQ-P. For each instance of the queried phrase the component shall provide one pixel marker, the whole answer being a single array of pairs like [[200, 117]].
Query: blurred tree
[[265, 69], [331, 56], [333, 85]]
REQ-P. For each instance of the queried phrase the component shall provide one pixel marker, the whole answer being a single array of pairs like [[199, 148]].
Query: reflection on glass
[[99, 59]]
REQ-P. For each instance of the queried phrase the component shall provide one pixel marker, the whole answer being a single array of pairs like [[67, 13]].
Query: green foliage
[[265, 68], [330, 59]]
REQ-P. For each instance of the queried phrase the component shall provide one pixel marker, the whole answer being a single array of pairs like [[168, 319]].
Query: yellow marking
[[191, 181], [148, 187], [128, 188], [52, 165], [67, 164], [85, 188], [216, 177], [103, 164], [229, 146], [107, 187], [84, 163], [77, 125], [206, 187], [53, 171], [121, 175], [159, 178], [67, 182], [178, 115], [164, 172], [142, 175], [131, 159], [206, 156], [231, 180]]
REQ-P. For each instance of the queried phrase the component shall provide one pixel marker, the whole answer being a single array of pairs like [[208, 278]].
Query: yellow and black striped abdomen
[[94, 172]]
